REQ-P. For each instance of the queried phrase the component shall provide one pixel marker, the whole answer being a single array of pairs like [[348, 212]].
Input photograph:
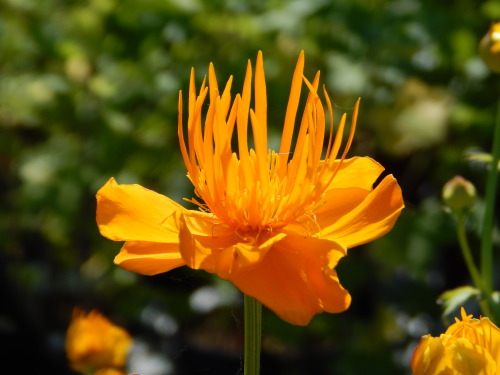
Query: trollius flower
[[273, 222], [95, 345], [468, 347]]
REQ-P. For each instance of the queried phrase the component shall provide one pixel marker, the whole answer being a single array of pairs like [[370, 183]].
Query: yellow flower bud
[[459, 194], [489, 48], [93, 343], [468, 347]]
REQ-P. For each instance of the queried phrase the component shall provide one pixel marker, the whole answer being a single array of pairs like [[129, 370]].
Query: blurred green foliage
[[88, 90]]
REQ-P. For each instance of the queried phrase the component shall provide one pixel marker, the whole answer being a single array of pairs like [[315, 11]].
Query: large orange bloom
[[274, 223]]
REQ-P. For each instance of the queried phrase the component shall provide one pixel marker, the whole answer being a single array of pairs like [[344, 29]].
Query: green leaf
[[455, 298], [480, 157]]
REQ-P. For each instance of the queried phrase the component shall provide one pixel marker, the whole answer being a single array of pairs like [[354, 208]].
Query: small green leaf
[[455, 298], [495, 305], [480, 157]]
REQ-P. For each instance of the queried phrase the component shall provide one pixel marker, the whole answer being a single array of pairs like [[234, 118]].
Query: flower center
[[259, 189]]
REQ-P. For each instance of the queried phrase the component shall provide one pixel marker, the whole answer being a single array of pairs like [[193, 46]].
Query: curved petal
[[205, 224], [335, 204], [200, 237], [468, 358], [149, 258], [359, 172], [207, 244], [296, 279], [134, 213], [478, 331], [201, 252], [240, 256], [429, 357], [352, 225]]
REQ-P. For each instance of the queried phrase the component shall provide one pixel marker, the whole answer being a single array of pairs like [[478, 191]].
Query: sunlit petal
[[149, 258], [353, 224], [223, 253], [296, 279], [469, 347], [134, 213], [198, 244], [357, 172], [468, 358], [429, 357]]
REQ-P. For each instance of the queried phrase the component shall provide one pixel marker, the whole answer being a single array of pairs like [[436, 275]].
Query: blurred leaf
[[480, 157], [491, 9], [453, 299]]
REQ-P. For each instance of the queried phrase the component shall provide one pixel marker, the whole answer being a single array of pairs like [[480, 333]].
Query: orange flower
[[109, 371], [93, 343], [469, 347], [489, 48], [274, 223]]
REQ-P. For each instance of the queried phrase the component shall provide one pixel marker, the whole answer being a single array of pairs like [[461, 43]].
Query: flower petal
[[468, 358], [134, 213], [201, 237], [351, 222], [429, 357], [296, 280], [149, 258], [214, 247], [359, 172], [205, 224], [478, 331]]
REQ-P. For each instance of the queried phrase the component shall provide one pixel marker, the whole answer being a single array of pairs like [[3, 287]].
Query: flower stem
[[464, 246], [487, 232], [473, 271], [253, 330]]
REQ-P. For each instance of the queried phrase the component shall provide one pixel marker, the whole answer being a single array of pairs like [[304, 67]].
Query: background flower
[[468, 347], [489, 48], [94, 343]]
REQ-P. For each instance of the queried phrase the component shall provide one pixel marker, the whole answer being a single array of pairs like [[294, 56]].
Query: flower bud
[[459, 194], [489, 48], [93, 343]]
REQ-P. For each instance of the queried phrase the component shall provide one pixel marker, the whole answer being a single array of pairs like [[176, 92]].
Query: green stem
[[469, 261], [487, 233], [467, 254], [253, 331]]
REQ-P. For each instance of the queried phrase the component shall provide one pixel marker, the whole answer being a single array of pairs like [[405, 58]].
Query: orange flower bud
[[489, 48], [94, 343], [468, 347]]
